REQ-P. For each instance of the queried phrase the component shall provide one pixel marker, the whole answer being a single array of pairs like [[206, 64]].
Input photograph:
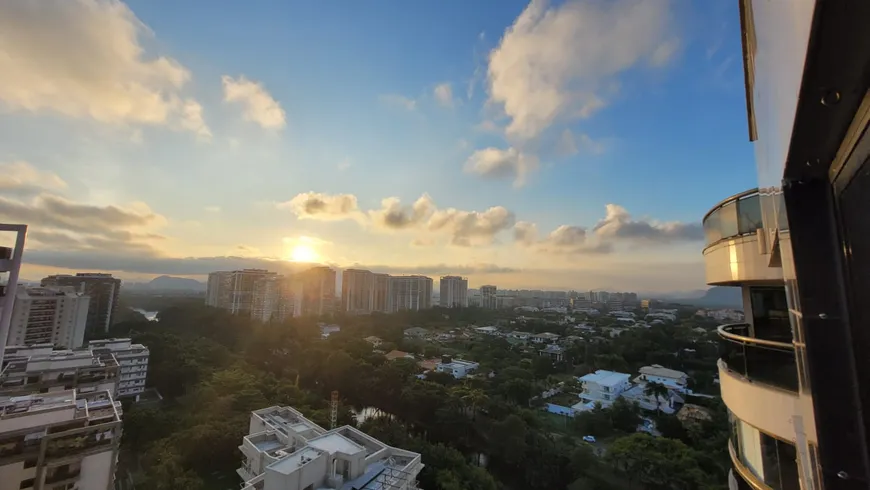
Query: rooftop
[[459, 363], [606, 378], [659, 370], [397, 354], [547, 335]]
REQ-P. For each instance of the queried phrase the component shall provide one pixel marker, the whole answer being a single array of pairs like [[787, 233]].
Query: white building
[[50, 315], [285, 451], [519, 335], [544, 338], [234, 290], [454, 292], [457, 367], [489, 297], [59, 440], [553, 351], [133, 360], [10, 264], [39, 368], [409, 293], [602, 387], [673, 379], [487, 330]]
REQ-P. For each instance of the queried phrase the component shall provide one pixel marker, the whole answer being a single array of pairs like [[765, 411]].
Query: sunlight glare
[[303, 253]]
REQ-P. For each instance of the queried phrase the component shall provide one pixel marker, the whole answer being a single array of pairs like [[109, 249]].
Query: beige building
[[59, 440], [48, 315], [39, 368], [234, 290], [132, 359], [410, 293], [357, 291], [489, 297], [274, 298], [454, 292], [316, 290], [381, 297], [103, 291]]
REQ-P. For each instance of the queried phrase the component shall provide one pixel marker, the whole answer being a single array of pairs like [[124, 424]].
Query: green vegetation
[[213, 369]]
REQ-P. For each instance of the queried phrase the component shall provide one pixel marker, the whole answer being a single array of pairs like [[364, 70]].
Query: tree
[[624, 415], [658, 392], [656, 462]]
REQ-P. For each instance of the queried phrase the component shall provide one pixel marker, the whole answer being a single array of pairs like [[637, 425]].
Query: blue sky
[[194, 136]]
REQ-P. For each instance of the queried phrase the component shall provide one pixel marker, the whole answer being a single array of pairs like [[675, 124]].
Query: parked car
[[589, 438]]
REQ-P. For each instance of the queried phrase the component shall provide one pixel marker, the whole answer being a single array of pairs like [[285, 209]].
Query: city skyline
[[440, 154]]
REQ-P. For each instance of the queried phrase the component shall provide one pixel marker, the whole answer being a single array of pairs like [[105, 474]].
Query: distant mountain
[[721, 296], [168, 283]]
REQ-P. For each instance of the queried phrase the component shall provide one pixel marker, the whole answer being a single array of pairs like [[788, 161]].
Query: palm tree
[[474, 397], [656, 390]]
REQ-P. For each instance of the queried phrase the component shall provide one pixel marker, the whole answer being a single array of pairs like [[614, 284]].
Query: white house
[[553, 351], [603, 387], [673, 379], [487, 330], [519, 335], [457, 367], [544, 338], [375, 341]]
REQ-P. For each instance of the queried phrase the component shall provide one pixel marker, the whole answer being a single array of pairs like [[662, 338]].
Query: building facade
[[489, 297], [133, 361], [315, 288], [357, 291], [64, 439], [410, 293], [274, 299], [234, 290], [381, 301], [454, 292], [794, 374], [41, 368], [48, 315], [10, 265], [603, 387], [103, 291], [285, 451]]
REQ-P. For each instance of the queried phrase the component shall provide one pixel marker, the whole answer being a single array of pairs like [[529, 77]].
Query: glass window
[[749, 215], [770, 315], [712, 231], [728, 220]]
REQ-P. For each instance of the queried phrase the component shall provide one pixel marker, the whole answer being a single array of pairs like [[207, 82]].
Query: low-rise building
[[133, 359], [39, 368], [673, 379], [487, 330], [456, 367], [327, 330], [603, 387], [375, 341], [519, 335], [61, 439], [397, 354], [285, 451], [416, 332], [553, 351], [544, 338], [667, 404]]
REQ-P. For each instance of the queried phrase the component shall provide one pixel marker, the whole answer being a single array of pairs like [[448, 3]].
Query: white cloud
[[315, 205], [559, 63], [260, 106], [497, 163], [83, 59], [569, 144], [22, 176], [394, 216], [619, 225], [444, 94], [398, 101], [469, 227], [212, 209]]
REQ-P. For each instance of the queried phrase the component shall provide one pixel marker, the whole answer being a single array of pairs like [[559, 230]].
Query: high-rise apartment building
[[357, 291], [795, 375], [410, 293], [103, 291], [66, 439], [593, 296], [316, 289], [234, 290], [50, 315], [381, 301], [274, 298], [454, 292], [10, 265], [489, 297], [132, 360]]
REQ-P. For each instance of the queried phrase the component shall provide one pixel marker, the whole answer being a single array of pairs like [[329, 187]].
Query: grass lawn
[[564, 399], [554, 423]]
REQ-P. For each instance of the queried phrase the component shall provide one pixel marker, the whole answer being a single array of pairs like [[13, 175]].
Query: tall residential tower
[[454, 292]]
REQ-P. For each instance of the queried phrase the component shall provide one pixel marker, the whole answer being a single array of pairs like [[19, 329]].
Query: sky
[[568, 144]]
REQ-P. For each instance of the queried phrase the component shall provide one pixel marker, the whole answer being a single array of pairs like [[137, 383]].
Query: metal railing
[[735, 216], [765, 361]]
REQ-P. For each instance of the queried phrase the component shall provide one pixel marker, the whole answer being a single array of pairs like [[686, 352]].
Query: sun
[[303, 253]]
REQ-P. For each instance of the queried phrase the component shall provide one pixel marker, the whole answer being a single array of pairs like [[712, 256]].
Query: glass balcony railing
[[736, 216], [765, 361]]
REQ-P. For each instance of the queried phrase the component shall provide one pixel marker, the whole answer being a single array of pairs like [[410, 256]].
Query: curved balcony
[[736, 250], [758, 360]]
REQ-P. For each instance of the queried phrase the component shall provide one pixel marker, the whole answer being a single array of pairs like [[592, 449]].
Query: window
[[28, 483], [770, 313]]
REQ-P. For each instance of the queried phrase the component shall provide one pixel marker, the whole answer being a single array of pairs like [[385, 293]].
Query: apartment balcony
[[758, 379], [737, 245]]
